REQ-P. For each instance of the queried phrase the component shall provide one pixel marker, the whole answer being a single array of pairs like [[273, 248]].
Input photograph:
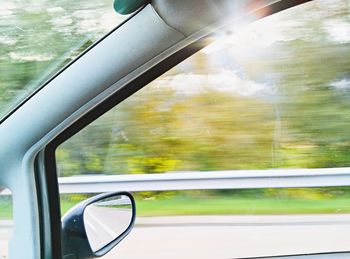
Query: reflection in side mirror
[[107, 219], [95, 226]]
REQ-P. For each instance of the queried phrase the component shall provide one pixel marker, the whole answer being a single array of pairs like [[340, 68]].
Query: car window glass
[[251, 100], [37, 38], [270, 95]]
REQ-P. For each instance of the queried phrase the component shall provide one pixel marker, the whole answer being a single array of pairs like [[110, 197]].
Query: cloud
[[338, 30], [221, 80], [29, 56], [341, 84]]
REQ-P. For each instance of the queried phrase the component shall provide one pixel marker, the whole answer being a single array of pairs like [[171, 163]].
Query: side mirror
[[93, 227]]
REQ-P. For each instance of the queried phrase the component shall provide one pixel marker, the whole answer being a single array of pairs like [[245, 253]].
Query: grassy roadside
[[234, 206], [6, 212], [221, 206], [225, 206]]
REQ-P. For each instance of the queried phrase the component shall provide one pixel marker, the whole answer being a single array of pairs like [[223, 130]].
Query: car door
[[125, 61]]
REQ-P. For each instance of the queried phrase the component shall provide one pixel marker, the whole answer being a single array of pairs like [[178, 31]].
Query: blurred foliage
[[284, 106], [37, 38]]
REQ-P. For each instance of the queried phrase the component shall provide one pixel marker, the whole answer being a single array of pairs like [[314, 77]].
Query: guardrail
[[236, 179]]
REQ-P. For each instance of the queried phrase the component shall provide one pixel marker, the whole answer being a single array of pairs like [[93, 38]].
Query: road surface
[[229, 236], [233, 236]]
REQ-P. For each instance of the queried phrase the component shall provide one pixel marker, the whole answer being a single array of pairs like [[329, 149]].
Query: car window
[[39, 38], [270, 95]]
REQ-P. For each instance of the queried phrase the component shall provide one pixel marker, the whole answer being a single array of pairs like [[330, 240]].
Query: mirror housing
[[75, 239], [128, 6]]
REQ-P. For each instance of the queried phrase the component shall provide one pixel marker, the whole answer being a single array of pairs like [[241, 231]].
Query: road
[[5, 234], [230, 236], [233, 236]]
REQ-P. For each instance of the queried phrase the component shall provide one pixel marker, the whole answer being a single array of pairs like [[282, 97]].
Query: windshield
[[37, 38]]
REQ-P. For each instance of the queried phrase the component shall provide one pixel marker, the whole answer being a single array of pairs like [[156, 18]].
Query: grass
[[6, 212], [225, 206], [181, 205]]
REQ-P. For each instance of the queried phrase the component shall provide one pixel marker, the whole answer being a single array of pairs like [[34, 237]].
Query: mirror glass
[[105, 220]]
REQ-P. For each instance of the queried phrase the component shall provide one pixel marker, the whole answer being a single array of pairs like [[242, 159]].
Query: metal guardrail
[[236, 179]]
